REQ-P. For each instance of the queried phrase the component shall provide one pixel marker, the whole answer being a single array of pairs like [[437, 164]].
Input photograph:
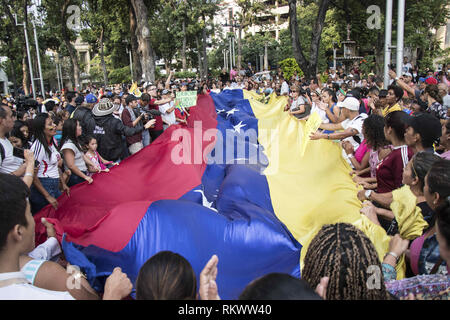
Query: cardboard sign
[[186, 99], [311, 125]]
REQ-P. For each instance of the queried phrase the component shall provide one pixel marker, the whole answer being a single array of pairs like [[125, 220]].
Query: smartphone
[[18, 152]]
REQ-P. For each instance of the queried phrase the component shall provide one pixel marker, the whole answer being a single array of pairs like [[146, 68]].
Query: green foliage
[[289, 66], [253, 47], [367, 65], [120, 75], [185, 74]]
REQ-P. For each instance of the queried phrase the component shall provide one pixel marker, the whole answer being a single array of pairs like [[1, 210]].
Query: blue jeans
[[145, 137], [74, 179], [37, 200]]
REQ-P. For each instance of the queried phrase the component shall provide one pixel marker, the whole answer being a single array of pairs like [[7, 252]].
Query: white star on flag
[[237, 128], [205, 201], [232, 111], [220, 110]]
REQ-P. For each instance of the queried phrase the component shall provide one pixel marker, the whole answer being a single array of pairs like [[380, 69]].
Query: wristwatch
[[367, 194]]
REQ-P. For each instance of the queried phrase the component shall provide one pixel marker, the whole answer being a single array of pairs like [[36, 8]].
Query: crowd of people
[[391, 138]]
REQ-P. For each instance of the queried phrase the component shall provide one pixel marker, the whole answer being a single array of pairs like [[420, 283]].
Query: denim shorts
[[37, 200], [74, 179]]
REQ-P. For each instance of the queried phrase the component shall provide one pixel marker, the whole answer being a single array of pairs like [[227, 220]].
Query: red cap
[[431, 80]]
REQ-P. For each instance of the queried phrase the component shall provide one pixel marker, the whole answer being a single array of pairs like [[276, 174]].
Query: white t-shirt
[[9, 163], [26, 291], [284, 88], [320, 112], [48, 166], [79, 161], [356, 123], [406, 67], [446, 103], [167, 117], [297, 103]]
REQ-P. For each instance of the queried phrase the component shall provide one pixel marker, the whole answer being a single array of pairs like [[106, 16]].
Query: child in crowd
[[58, 121], [94, 161]]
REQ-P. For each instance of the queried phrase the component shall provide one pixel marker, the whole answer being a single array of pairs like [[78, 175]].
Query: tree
[[201, 15], [145, 50], [14, 39], [165, 32], [246, 18], [56, 17], [96, 15], [309, 66]]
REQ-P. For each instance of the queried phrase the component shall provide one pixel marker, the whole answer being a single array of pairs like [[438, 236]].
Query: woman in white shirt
[[73, 154], [45, 188], [319, 106]]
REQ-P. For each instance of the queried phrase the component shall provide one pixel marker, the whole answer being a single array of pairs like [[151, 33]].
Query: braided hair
[[344, 254]]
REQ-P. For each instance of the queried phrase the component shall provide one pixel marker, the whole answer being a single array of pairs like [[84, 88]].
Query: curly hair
[[344, 254], [433, 91], [373, 128]]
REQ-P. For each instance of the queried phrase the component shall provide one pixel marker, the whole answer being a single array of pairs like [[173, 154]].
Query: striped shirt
[[48, 166]]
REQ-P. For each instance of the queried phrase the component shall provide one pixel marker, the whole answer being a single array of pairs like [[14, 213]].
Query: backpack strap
[[2, 152]]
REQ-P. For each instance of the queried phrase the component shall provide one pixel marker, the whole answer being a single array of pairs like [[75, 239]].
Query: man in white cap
[[351, 126]]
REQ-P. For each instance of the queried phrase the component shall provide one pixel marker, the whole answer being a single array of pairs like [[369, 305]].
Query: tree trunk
[[143, 36], [204, 54], [167, 66], [102, 57], [379, 54], [308, 67], [14, 77], [199, 56], [317, 35], [25, 78], [183, 51], [72, 53], [27, 81], [137, 68]]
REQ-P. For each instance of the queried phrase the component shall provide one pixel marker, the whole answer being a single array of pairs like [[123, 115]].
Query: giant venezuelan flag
[[233, 182]]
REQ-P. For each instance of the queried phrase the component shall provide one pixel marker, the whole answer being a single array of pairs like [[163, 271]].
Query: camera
[[150, 113], [302, 91]]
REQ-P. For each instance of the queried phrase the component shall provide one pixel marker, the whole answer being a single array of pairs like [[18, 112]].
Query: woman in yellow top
[[395, 94]]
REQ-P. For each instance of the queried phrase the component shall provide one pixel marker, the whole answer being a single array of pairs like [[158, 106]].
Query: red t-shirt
[[159, 123], [390, 170]]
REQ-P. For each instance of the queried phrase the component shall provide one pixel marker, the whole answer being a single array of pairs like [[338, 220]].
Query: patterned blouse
[[438, 110], [424, 287]]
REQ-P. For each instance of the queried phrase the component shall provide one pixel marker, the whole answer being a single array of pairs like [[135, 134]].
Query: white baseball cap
[[351, 103]]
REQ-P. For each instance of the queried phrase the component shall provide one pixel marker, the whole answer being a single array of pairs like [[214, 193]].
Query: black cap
[[427, 125]]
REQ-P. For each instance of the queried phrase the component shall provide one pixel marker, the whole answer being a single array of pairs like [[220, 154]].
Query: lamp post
[[387, 42], [30, 66], [38, 60], [400, 33], [231, 42]]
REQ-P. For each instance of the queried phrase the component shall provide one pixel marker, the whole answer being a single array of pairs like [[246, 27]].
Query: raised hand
[[208, 286]]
